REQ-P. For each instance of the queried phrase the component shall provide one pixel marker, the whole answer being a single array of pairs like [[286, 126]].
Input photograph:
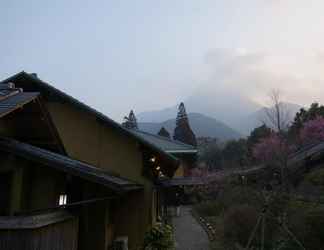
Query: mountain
[[242, 116], [257, 118], [220, 104], [202, 126]]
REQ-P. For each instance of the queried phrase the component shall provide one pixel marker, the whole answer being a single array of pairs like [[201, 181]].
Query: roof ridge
[[165, 138], [99, 114]]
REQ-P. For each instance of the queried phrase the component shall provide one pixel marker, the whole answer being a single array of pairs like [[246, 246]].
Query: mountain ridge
[[202, 125]]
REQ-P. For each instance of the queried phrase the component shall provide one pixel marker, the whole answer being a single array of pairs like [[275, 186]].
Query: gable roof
[[100, 116], [67, 165], [12, 98], [166, 144]]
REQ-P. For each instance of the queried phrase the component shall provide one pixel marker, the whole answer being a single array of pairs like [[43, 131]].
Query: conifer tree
[[130, 121], [182, 131], [163, 132]]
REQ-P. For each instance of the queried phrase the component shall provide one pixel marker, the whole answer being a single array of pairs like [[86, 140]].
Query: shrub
[[209, 208], [306, 221], [159, 237], [239, 222], [316, 177]]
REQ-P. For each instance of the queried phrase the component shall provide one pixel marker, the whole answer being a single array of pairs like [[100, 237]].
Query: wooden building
[[70, 177]]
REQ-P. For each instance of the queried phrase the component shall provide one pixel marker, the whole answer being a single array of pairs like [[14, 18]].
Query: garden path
[[189, 235]]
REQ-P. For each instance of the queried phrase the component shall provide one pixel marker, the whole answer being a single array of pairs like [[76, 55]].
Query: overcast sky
[[144, 54]]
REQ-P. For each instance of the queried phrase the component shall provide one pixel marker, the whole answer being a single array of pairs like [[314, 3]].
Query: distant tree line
[[265, 143]]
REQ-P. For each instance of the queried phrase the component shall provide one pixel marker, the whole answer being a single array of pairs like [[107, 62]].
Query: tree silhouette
[[182, 131], [130, 121], [163, 132]]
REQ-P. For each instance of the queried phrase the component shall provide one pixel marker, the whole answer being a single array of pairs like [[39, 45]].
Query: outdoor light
[[158, 168], [153, 159]]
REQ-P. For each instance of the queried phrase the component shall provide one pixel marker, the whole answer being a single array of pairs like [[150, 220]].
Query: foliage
[[316, 177], [273, 149], [163, 132], [255, 137], [130, 121], [312, 131], [212, 156], [259, 133], [306, 220], [235, 153], [239, 222], [182, 131], [159, 237], [302, 117], [209, 208]]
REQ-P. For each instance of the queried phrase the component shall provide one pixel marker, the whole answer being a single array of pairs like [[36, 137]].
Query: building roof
[[12, 98], [166, 144], [68, 165], [99, 115]]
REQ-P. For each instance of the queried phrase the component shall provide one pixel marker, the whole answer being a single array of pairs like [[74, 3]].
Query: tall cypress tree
[[182, 131], [164, 132], [130, 121]]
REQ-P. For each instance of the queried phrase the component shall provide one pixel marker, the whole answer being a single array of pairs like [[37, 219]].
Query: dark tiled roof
[[68, 165], [12, 102], [164, 143], [99, 115]]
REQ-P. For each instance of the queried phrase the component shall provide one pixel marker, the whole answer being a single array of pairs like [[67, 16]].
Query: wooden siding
[[58, 236]]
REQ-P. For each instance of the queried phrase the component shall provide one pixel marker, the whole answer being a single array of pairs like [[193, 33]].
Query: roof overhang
[[189, 151], [65, 164]]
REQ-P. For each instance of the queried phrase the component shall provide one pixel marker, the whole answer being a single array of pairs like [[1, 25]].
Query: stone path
[[189, 235]]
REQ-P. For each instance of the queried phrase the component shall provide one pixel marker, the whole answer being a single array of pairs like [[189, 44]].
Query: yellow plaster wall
[[87, 139], [180, 171]]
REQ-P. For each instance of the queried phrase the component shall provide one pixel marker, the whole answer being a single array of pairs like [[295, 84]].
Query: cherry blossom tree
[[313, 131], [274, 151]]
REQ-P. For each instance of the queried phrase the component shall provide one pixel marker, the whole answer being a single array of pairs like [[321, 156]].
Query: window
[[62, 199]]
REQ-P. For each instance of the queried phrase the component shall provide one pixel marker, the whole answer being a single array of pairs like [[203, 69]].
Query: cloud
[[298, 74]]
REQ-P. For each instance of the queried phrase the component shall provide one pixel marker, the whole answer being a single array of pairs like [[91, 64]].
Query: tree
[[274, 151], [235, 153], [182, 131], [255, 137], [277, 116], [302, 117], [211, 155], [259, 133], [313, 131], [130, 121], [163, 132]]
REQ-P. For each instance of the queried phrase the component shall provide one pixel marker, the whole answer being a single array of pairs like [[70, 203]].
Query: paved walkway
[[189, 235]]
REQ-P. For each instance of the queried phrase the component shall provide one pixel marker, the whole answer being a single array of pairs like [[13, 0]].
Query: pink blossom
[[313, 131], [271, 148]]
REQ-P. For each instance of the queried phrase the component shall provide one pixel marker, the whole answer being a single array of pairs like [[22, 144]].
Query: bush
[[239, 222], [209, 208], [316, 177], [159, 237], [306, 221]]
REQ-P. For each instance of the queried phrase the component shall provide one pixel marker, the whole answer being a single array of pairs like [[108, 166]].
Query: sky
[[120, 55]]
